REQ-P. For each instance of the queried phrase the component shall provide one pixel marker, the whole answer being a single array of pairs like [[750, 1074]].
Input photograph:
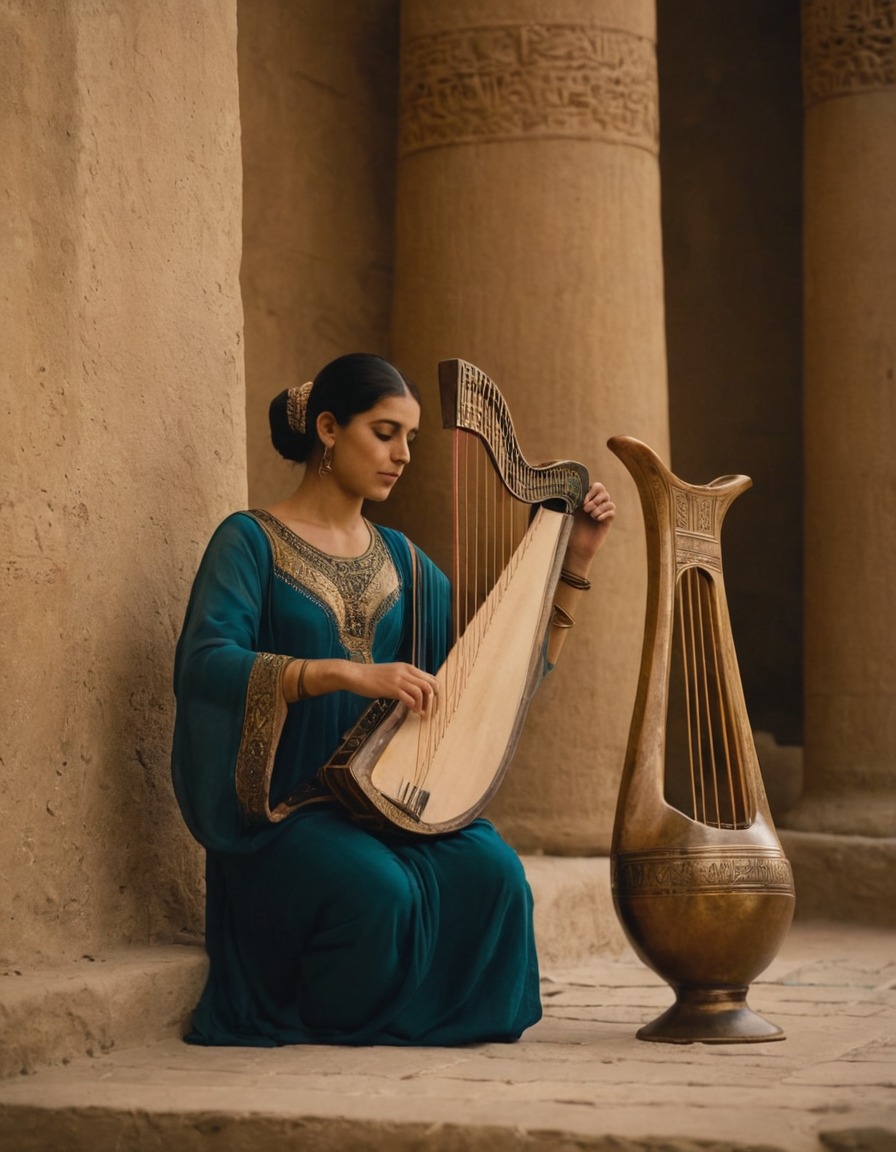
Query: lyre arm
[[472, 402], [685, 593], [653, 477]]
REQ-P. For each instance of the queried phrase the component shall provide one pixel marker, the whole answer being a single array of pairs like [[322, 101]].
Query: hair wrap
[[297, 406]]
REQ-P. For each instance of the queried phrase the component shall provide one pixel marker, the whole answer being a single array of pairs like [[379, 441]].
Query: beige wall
[[123, 434], [318, 91]]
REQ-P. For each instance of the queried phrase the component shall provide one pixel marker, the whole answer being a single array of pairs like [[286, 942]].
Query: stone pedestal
[[528, 242], [850, 417]]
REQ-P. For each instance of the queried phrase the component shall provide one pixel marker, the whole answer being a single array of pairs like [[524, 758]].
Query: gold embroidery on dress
[[262, 724], [357, 591]]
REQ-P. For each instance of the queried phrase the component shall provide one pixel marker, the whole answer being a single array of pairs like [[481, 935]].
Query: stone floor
[[579, 1080]]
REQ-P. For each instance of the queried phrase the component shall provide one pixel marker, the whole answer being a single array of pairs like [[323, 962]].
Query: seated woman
[[319, 930]]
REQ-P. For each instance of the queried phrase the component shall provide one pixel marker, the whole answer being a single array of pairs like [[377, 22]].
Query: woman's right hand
[[411, 686], [403, 682]]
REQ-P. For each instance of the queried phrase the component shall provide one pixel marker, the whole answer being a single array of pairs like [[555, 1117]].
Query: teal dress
[[317, 930]]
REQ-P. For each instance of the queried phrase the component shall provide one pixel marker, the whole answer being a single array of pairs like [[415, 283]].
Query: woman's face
[[371, 451]]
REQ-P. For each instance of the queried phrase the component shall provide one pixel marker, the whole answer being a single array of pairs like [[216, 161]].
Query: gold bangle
[[300, 683], [560, 618], [582, 583]]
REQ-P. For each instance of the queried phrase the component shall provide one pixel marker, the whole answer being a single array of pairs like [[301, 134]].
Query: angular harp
[[700, 883], [435, 774]]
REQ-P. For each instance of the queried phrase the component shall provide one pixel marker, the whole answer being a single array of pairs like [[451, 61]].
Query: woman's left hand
[[590, 527]]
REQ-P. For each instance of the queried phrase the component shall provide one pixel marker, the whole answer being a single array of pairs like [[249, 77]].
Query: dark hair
[[346, 387]]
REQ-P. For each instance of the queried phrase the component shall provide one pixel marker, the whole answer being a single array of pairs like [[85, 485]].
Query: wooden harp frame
[[376, 772]]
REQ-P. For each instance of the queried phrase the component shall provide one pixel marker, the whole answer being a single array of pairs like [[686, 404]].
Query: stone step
[[136, 995], [97, 1004], [579, 1081]]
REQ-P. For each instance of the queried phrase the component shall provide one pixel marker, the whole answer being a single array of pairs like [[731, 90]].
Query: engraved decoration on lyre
[[696, 535], [704, 870]]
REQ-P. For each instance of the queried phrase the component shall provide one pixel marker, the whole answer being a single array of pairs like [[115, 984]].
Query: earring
[[326, 462]]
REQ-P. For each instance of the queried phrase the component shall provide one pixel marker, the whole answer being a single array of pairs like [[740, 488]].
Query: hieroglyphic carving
[[849, 46], [696, 542], [703, 511], [470, 85], [682, 510], [694, 512]]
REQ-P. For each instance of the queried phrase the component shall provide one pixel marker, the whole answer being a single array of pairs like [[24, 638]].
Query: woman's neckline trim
[[262, 513]]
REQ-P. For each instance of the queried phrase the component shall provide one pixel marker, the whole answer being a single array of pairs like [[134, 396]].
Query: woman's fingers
[[424, 692], [597, 502], [417, 689]]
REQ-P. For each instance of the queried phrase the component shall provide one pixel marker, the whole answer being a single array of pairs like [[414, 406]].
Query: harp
[[435, 774], [700, 882]]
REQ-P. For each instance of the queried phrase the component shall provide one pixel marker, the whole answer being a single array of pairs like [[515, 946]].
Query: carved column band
[[528, 243], [573, 81], [850, 414], [849, 47]]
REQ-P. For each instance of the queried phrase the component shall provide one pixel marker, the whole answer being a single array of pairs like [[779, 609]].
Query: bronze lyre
[[435, 774], [700, 882]]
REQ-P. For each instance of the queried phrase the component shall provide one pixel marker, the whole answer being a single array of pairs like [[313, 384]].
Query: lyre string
[[686, 681], [710, 767], [712, 749], [728, 747]]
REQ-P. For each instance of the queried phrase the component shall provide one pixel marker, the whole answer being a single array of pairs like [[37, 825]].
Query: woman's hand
[[411, 686], [403, 682], [590, 528]]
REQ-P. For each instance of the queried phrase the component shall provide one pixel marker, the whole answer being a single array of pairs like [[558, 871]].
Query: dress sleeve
[[230, 707]]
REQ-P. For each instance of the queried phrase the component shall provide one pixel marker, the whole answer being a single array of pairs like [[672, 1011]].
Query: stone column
[[850, 418], [840, 838], [528, 242], [122, 446]]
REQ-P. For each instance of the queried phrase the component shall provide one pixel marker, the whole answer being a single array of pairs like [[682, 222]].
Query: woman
[[317, 930]]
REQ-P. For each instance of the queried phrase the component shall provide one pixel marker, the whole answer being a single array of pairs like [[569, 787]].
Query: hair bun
[[291, 444]]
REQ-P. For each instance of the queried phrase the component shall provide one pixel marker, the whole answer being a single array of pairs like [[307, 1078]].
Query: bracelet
[[575, 581], [560, 618], [300, 683]]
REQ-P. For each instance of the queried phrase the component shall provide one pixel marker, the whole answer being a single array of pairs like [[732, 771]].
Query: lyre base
[[710, 1016]]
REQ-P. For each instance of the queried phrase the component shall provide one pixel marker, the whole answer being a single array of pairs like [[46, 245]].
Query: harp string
[[489, 535]]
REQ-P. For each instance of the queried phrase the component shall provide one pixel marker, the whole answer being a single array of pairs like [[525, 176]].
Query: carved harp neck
[[471, 402]]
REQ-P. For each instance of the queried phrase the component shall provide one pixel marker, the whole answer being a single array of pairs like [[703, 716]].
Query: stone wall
[[123, 444], [318, 92]]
